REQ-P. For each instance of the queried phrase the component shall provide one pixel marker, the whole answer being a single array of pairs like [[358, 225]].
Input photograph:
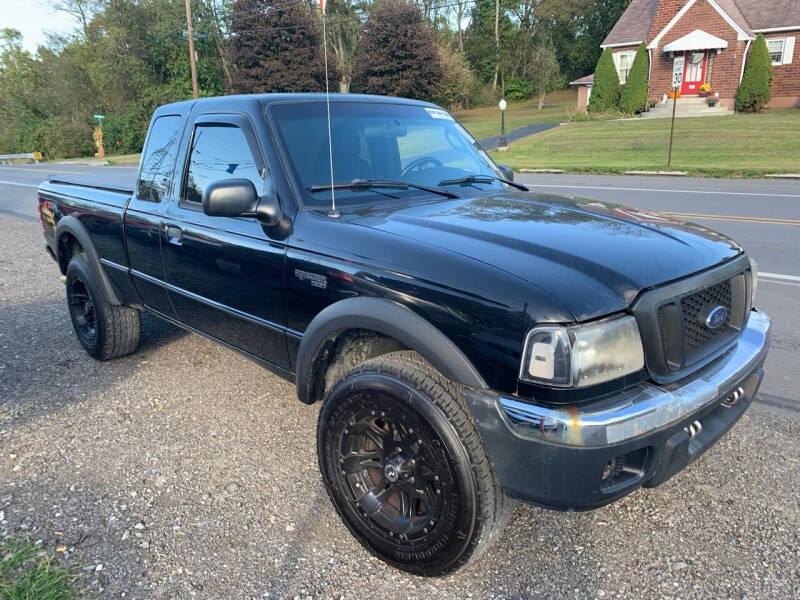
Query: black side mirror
[[238, 198], [230, 198], [507, 171]]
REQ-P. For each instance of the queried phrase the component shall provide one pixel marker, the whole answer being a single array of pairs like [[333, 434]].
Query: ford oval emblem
[[716, 317]]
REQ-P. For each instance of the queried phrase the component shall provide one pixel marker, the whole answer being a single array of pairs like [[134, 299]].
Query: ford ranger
[[471, 343]]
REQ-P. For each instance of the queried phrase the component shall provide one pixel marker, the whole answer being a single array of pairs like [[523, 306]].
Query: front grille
[[672, 320], [694, 308]]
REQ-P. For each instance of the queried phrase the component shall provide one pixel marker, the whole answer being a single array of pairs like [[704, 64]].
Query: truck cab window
[[219, 151], [158, 160]]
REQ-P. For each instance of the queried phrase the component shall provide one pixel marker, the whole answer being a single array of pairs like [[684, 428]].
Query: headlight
[[582, 355], [753, 281]]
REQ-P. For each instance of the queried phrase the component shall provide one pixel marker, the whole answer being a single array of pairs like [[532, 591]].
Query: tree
[[276, 46], [756, 88], [578, 30], [457, 80], [399, 54], [344, 31], [480, 47], [544, 71], [633, 98], [605, 89]]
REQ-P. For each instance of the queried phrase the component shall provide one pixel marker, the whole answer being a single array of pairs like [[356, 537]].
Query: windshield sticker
[[438, 113]]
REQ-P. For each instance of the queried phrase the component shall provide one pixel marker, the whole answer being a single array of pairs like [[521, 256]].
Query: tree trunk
[[541, 100]]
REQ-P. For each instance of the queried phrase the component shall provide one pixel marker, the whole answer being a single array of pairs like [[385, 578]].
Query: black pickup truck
[[471, 343]]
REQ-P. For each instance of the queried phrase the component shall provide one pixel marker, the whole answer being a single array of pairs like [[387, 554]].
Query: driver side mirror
[[238, 198], [507, 171]]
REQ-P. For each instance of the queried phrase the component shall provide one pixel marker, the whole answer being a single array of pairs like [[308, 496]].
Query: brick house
[[708, 40]]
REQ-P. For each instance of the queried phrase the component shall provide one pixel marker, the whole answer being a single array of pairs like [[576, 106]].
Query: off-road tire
[[404, 389], [104, 330]]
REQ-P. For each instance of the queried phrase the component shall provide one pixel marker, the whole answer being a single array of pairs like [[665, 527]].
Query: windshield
[[381, 141]]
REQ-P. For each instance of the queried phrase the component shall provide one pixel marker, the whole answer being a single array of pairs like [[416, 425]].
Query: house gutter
[[776, 29], [744, 60]]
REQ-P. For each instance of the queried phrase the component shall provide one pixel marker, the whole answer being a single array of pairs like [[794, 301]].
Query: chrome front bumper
[[645, 407]]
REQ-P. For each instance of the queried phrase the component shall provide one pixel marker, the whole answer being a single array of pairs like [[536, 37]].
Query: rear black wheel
[[104, 330], [406, 468]]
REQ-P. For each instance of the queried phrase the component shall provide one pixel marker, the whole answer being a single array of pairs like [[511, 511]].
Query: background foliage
[[126, 57]]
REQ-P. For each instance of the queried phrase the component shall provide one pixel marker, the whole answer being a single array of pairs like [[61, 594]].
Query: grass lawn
[[485, 122], [28, 573], [736, 145], [123, 159]]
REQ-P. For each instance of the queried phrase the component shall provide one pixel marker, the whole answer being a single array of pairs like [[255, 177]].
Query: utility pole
[[191, 49], [496, 41]]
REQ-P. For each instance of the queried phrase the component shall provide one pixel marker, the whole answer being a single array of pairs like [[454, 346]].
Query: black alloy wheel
[[82, 311], [405, 466], [393, 471], [105, 330]]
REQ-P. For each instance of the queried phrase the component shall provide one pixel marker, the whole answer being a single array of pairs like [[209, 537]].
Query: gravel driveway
[[187, 471]]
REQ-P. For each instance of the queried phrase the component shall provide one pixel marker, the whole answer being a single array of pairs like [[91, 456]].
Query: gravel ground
[[186, 471]]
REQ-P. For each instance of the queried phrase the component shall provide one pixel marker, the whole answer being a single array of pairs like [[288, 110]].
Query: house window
[[624, 61], [776, 48], [781, 50]]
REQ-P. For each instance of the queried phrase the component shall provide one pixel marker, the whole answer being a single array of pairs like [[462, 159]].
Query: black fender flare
[[73, 226], [390, 319]]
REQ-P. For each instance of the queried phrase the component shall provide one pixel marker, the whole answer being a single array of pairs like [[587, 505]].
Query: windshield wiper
[[468, 179], [356, 184]]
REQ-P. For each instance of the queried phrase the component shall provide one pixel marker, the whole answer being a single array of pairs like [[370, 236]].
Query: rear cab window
[[158, 159]]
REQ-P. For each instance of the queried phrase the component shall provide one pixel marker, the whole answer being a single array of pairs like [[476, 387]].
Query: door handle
[[174, 235]]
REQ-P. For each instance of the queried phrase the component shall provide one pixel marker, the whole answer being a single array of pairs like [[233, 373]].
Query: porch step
[[687, 107]]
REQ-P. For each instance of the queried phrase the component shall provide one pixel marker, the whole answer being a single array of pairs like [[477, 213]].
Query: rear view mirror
[[507, 171], [238, 198], [230, 198]]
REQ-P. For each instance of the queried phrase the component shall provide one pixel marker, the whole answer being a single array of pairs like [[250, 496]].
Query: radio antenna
[[333, 213]]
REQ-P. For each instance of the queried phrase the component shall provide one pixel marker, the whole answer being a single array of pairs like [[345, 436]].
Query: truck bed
[[110, 182]]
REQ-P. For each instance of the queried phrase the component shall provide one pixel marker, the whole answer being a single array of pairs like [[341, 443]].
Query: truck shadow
[[44, 366]]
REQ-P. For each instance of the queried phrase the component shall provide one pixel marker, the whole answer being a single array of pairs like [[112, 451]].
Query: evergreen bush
[[756, 87], [605, 89], [633, 98]]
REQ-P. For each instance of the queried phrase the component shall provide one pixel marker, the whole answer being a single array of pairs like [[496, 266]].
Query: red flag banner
[[322, 4]]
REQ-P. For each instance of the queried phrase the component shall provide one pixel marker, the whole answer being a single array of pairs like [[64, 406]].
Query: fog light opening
[[623, 471], [613, 468]]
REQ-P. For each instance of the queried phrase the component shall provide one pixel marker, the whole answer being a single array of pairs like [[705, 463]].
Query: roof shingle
[[634, 24], [766, 14]]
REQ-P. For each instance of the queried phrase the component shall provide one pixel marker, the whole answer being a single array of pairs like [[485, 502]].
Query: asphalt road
[[493, 142], [186, 471]]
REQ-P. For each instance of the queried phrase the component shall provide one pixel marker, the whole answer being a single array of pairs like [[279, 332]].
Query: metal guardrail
[[7, 158]]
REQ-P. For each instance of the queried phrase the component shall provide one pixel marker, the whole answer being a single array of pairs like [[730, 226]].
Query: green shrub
[[605, 89], [458, 81], [124, 134], [633, 98], [756, 87], [518, 88]]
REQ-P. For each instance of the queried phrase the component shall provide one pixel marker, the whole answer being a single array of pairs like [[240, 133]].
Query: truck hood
[[595, 257]]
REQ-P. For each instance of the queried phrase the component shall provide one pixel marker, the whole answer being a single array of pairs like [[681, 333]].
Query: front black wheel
[[405, 466], [104, 330]]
